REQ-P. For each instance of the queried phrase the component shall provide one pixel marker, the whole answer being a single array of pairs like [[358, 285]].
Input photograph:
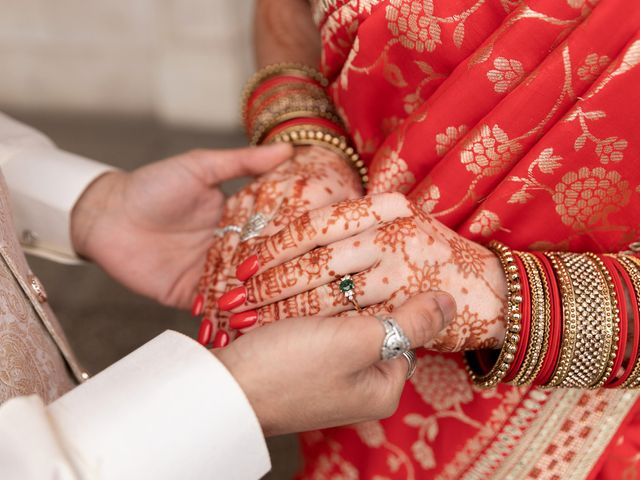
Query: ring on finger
[[348, 288], [412, 360], [221, 232], [254, 226], [395, 341]]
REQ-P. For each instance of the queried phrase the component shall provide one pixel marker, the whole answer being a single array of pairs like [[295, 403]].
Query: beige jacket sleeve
[[44, 184], [169, 410]]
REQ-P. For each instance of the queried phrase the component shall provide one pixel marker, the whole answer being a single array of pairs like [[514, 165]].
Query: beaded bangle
[[513, 323], [610, 328], [525, 320], [555, 328], [612, 268], [539, 329], [631, 288], [281, 69], [312, 135]]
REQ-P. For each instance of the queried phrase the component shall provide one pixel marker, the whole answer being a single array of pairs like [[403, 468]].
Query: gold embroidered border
[[547, 450]]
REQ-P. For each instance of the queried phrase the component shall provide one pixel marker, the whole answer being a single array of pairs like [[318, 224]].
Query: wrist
[[88, 210]]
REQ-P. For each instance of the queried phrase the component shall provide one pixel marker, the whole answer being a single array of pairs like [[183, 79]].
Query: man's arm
[[168, 410], [44, 184]]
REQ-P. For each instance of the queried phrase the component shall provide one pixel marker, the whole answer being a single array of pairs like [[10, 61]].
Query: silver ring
[[221, 232], [410, 357], [395, 342], [254, 226]]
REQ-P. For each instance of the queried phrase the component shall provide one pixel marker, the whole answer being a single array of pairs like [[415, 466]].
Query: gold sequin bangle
[[513, 322], [312, 135]]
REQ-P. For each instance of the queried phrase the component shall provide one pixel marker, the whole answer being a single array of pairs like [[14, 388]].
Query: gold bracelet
[[277, 69], [312, 135], [586, 350], [610, 328], [513, 319], [632, 267], [534, 354], [313, 91]]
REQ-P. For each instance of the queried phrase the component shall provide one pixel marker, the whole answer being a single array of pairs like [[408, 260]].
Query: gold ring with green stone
[[348, 288]]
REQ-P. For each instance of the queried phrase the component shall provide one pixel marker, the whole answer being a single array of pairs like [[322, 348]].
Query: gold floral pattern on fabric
[[414, 24], [586, 197], [506, 74], [593, 66], [485, 223], [448, 138], [488, 151], [441, 382]]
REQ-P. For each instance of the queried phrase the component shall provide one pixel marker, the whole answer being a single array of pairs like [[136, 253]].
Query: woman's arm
[[284, 32]]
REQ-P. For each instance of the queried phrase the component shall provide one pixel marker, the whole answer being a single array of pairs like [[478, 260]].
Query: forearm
[[284, 32]]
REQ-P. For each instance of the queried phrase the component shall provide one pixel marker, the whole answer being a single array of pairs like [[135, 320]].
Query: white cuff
[[44, 185], [168, 410]]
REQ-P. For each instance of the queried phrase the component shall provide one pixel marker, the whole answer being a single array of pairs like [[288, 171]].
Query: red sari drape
[[506, 119]]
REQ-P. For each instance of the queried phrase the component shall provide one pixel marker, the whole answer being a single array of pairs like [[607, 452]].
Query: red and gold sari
[[510, 120]]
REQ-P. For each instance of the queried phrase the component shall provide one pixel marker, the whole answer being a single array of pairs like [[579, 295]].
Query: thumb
[[421, 318], [221, 165]]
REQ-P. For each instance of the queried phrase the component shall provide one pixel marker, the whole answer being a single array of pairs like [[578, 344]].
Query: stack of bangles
[[572, 321], [289, 103]]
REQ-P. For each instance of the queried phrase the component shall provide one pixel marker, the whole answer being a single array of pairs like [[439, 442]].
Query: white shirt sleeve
[[169, 410], [44, 185]]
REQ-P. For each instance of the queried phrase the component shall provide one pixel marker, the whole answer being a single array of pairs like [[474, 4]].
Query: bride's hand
[[313, 178], [392, 250]]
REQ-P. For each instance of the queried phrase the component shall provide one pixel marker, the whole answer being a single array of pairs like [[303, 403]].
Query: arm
[[284, 32], [34, 169], [171, 410], [163, 412]]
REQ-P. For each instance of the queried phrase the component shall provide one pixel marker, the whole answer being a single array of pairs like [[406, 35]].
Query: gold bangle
[[312, 135], [313, 91], [513, 319], [610, 328], [535, 351], [277, 69], [260, 134], [547, 319], [632, 267]]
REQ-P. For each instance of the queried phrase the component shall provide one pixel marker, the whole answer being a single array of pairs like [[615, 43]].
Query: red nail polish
[[232, 299], [247, 268], [221, 340], [243, 320], [204, 334], [198, 305]]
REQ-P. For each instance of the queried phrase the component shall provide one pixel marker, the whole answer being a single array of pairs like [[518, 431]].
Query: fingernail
[[198, 305], [204, 334], [232, 299], [221, 340], [247, 268], [246, 319], [448, 306]]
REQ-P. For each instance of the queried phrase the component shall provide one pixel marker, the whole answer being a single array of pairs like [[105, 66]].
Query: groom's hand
[[150, 229], [309, 373]]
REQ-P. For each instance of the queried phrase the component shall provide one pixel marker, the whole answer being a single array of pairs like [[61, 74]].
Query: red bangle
[[555, 330], [622, 305], [525, 322]]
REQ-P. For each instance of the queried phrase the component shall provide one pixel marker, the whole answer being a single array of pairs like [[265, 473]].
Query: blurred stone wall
[[181, 61]]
